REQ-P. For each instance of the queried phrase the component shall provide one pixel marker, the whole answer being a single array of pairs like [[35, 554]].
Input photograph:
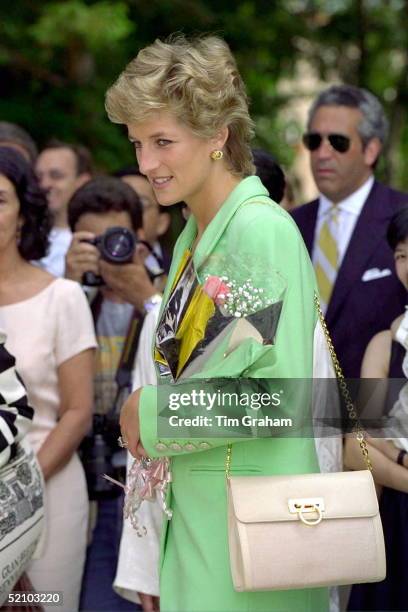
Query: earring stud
[[217, 154]]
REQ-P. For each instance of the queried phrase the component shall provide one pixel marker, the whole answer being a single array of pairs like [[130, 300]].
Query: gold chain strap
[[360, 434], [228, 461]]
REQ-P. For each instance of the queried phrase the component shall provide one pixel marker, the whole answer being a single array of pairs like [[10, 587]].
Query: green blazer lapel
[[249, 188]]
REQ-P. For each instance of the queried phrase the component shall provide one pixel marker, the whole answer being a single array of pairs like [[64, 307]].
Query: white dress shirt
[[151, 262], [54, 262], [349, 210]]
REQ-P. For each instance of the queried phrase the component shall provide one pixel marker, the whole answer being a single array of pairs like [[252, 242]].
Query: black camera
[[97, 451], [116, 246]]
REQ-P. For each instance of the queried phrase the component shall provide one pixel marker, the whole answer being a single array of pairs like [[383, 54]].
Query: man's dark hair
[[33, 239], [398, 228], [104, 194], [270, 173], [11, 133], [83, 157], [374, 123]]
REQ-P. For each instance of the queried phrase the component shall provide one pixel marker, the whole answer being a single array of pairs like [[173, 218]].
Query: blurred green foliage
[[58, 58]]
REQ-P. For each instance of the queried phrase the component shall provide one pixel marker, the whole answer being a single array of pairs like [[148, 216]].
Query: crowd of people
[[96, 312]]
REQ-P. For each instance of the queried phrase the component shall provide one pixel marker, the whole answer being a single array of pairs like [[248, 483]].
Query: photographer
[[108, 260]]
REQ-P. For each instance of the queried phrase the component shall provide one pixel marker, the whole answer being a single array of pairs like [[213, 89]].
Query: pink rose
[[216, 289]]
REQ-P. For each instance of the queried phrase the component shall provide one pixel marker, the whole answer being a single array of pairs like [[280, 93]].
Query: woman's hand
[[129, 425]]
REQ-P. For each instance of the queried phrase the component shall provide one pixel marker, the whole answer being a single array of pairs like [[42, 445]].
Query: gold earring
[[217, 154]]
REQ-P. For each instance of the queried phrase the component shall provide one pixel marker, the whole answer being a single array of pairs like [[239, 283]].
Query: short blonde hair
[[198, 82]]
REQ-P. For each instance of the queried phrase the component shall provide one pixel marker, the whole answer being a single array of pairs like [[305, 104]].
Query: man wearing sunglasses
[[344, 229]]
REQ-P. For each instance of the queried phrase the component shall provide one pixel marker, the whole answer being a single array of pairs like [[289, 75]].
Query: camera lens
[[118, 245]]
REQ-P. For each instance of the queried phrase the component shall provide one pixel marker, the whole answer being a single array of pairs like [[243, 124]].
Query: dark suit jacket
[[359, 309]]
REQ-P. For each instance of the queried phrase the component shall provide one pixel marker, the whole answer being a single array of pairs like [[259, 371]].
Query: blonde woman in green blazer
[[185, 108]]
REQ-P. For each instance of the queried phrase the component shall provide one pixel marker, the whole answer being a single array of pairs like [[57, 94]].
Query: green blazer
[[195, 575]]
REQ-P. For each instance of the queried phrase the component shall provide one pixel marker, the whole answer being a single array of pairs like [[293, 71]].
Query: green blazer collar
[[249, 188]]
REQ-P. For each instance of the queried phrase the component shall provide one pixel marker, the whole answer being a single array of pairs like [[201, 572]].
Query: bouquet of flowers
[[201, 313]]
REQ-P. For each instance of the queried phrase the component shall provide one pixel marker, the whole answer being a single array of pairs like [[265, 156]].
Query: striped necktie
[[327, 257]]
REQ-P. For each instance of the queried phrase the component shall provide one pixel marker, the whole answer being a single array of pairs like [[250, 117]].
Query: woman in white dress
[[50, 332]]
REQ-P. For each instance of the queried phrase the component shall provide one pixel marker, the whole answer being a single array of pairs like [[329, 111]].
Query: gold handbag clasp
[[302, 506]]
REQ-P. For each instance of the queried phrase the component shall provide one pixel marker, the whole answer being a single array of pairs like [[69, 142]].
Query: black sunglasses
[[313, 140]]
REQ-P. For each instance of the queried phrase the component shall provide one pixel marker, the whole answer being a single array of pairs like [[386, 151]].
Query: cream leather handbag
[[293, 532], [304, 531]]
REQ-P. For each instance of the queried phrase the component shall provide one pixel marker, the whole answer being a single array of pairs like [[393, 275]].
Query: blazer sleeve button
[[175, 446], [189, 447]]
